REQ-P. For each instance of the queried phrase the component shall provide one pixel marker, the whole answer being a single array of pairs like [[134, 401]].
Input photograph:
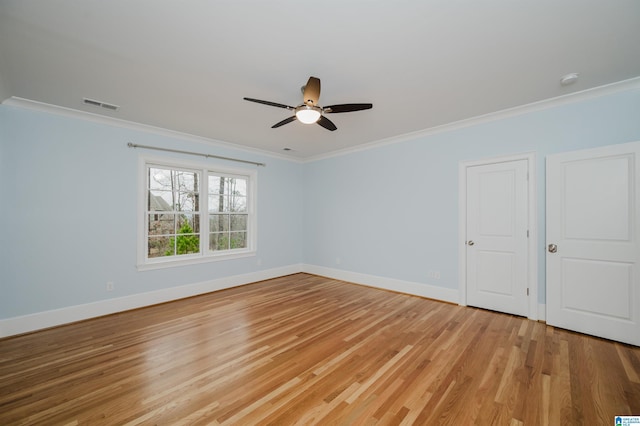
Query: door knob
[[470, 243], [553, 248]]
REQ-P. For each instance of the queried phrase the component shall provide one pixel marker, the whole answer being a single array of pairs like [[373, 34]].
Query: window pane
[[239, 187], [238, 204], [219, 241], [218, 203], [214, 203], [173, 180], [159, 178], [238, 222], [185, 181], [218, 222], [227, 185], [185, 201], [238, 240], [161, 224], [160, 246], [187, 243], [188, 223], [160, 201], [216, 184]]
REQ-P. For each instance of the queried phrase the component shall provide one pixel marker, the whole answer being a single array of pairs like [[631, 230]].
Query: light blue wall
[[392, 211], [69, 211], [69, 202]]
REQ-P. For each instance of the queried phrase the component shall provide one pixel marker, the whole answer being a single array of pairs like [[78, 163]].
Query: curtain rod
[[178, 151]]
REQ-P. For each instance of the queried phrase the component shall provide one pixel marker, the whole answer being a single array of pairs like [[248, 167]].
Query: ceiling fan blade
[[269, 103], [285, 121], [326, 123], [312, 91], [346, 107]]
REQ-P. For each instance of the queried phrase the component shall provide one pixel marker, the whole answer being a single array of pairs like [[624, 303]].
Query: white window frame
[[205, 255]]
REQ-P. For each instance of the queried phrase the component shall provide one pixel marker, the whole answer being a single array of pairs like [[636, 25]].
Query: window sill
[[193, 260]]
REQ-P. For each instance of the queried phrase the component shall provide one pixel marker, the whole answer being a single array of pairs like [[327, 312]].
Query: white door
[[592, 236], [497, 217]]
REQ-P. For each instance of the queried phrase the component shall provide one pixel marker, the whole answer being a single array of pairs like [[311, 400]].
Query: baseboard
[[41, 320], [408, 287]]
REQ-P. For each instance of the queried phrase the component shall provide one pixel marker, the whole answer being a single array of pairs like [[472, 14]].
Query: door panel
[[611, 300], [592, 217], [497, 200], [495, 272], [596, 189]]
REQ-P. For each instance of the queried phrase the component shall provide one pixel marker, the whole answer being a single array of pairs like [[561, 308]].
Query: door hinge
[[527, 291], [527, 233]]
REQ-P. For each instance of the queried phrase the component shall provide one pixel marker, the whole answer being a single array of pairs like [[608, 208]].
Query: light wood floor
[[304, 349]]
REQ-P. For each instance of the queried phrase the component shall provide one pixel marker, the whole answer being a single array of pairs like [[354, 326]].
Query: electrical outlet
[[436, 275], [110, 286]]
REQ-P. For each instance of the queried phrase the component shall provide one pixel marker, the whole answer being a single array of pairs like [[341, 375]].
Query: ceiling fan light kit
[[309, 111], [308, 114]]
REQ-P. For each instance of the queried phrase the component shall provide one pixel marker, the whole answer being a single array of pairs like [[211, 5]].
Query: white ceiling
[[186, 65]]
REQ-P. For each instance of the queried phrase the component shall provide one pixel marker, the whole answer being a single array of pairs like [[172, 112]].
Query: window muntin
[[189, 217]]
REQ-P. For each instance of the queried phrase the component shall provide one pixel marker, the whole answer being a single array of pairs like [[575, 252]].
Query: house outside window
[[195, 214]]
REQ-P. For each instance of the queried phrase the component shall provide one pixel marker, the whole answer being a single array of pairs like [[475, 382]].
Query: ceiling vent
[[100, 104]]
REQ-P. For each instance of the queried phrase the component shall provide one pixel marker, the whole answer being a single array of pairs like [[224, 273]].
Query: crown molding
[[18, 102], [595, 92]]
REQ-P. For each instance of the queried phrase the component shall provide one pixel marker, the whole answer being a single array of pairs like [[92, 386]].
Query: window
[[195, 214]]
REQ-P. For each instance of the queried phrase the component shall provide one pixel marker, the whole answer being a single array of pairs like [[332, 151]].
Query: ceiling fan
[[309, 111]]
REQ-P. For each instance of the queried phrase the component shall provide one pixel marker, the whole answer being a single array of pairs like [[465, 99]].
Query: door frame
[[532, 256]]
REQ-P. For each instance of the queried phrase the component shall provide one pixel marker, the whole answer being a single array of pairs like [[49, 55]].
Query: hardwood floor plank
[[629, 370], [305, 350]]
